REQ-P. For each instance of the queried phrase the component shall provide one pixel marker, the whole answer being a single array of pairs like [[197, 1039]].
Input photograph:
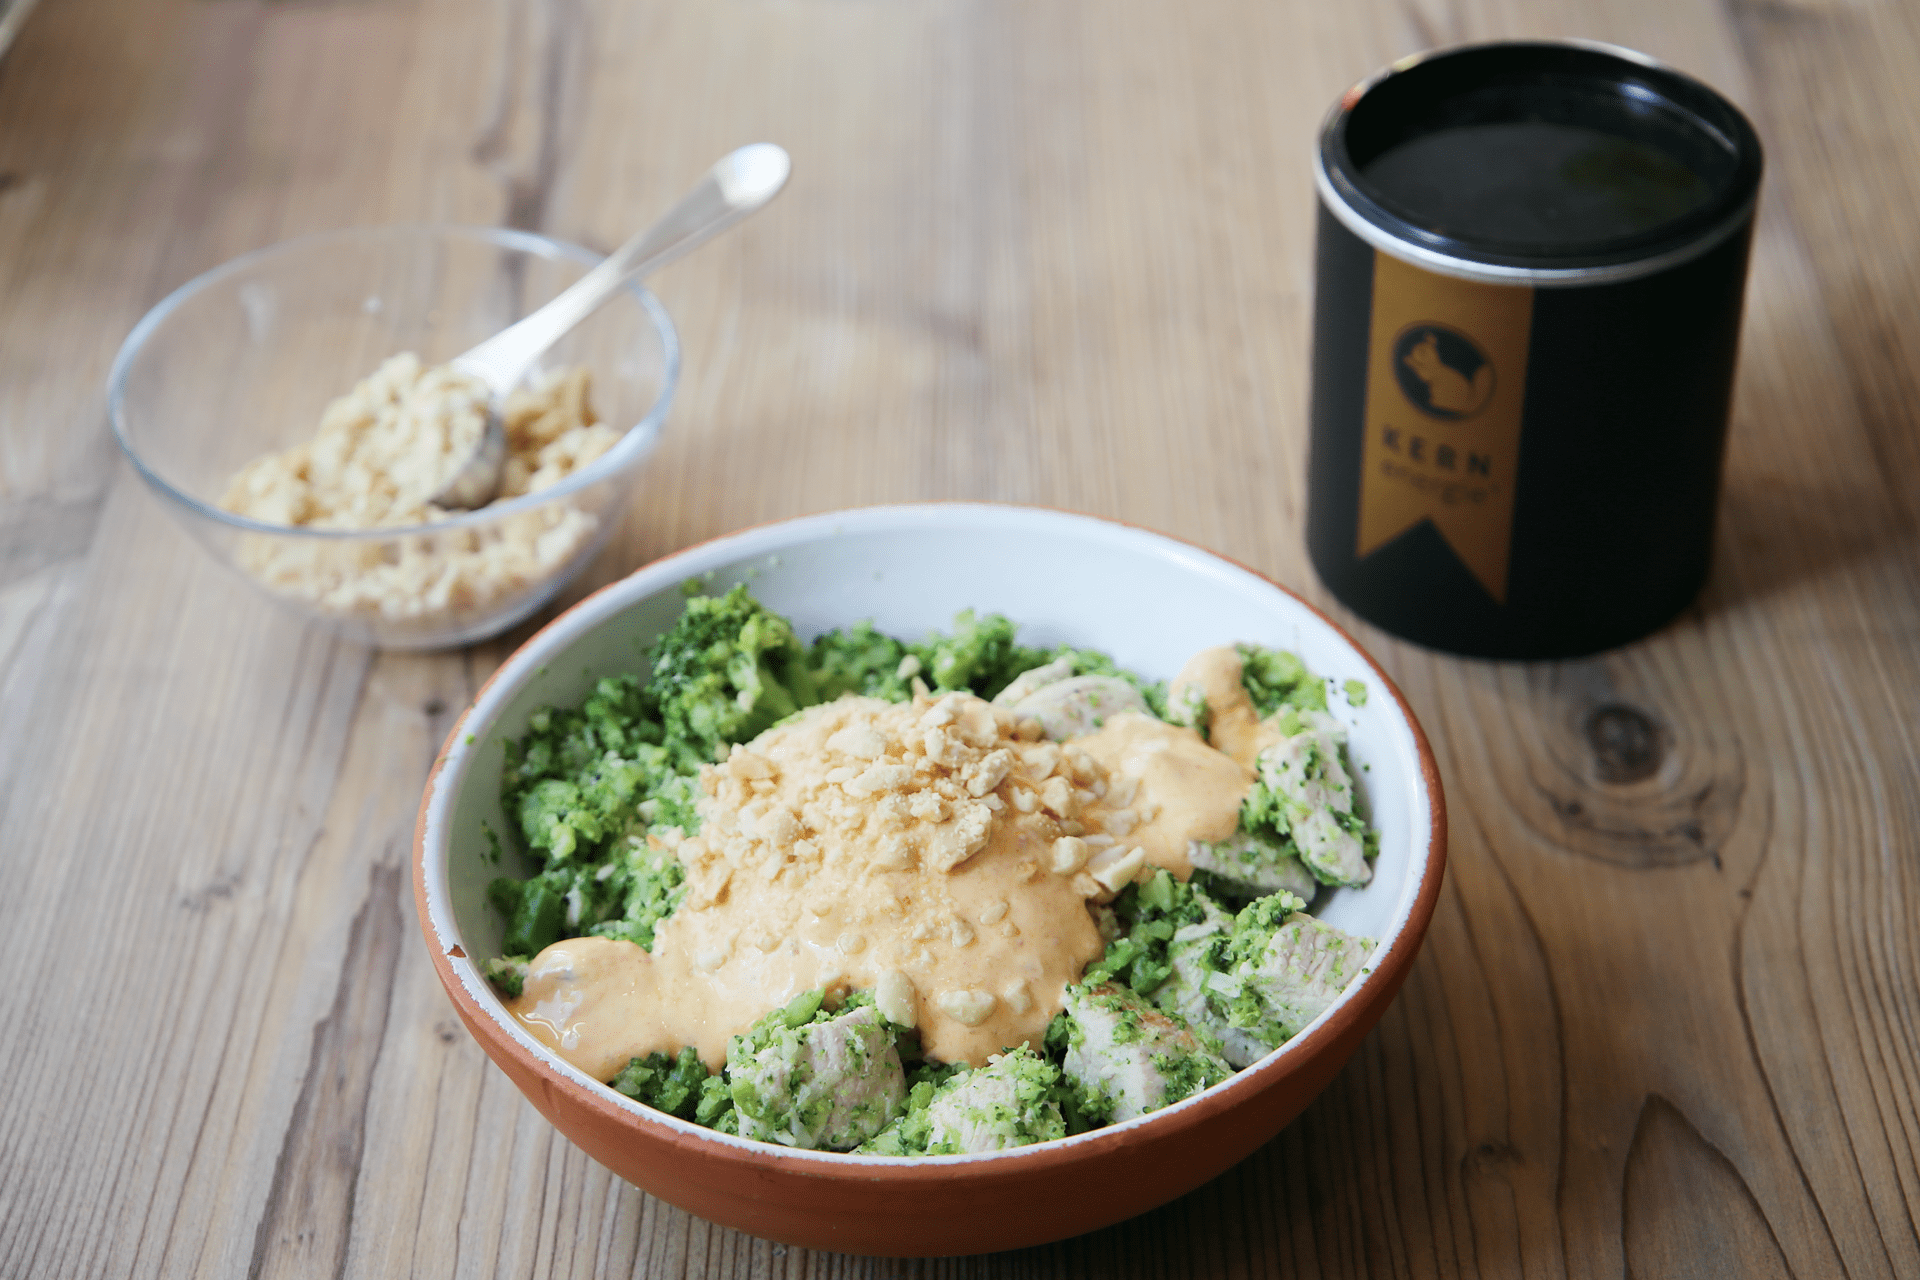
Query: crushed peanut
[[382, 452], [969, 1008], [865, 844], [894, 996], [898, 820]]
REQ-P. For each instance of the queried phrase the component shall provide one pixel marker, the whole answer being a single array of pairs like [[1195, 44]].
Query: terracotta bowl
[[1147, 599]]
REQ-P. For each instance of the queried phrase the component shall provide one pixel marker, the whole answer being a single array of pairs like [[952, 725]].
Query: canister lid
[[1546, 163]]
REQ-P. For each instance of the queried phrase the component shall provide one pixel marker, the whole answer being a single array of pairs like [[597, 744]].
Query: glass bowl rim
[[633, 443]]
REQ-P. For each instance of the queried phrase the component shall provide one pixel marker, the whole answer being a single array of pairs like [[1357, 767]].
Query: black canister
[[1530, 268]]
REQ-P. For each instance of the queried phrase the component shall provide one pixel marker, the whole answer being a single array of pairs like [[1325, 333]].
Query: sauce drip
[[1178, 788], [1233, 726]]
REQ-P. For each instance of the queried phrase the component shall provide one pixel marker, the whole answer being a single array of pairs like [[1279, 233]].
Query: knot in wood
[[1625, 743]]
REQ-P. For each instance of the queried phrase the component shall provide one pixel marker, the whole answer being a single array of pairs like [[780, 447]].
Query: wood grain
[[1667, 1022]]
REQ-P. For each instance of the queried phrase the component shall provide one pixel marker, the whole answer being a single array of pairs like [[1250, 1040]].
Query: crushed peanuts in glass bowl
[[860, 925], [288, 409]]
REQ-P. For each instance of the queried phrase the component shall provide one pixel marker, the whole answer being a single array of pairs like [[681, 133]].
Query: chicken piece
[[1196, 952], [1304, 774], [1077, 705], [1136, 1056], [1287, 968], [1027, 681], [832, 1083], [1253, 864], [1005, 1104]]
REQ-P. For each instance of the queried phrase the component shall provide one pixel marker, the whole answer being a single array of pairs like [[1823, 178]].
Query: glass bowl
[[242, 360]]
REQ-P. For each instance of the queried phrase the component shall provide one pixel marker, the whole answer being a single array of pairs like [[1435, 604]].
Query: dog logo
[[1442, 371]]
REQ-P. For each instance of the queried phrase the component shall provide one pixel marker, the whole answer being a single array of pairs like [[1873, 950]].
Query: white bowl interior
[[1148, 600]]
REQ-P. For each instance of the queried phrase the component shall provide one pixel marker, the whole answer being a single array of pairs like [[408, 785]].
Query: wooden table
[[1055, 253]]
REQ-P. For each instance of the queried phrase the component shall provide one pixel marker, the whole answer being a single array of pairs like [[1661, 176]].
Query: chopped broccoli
[[863, 661], [980, 655], [726, 670], [645, 887], [577, 780], [673, 1085], [536, 910], [1150, 913], [1274, 678], [714, 1107], [624, 897]]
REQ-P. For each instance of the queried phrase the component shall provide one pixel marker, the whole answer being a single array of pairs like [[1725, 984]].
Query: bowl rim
[[635, 442], [1392, 956]]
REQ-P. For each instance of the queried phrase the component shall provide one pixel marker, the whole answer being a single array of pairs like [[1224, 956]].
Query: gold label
[[1446, 382]]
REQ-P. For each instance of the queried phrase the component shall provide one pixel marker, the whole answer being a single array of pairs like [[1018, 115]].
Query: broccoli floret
[[509, 973], [579, 780], [1274, 678], [727, 669], [979, 656], [863, 661], [644, 887], [1150, 913], [673, 1085]]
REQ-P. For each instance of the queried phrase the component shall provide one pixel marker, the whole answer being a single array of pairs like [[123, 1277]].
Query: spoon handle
[[741, 182]]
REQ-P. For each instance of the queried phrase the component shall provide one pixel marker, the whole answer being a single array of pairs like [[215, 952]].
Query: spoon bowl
[[739, 183]]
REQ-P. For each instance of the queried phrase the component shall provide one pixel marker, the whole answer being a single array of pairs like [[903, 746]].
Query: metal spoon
[[741, 182]]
